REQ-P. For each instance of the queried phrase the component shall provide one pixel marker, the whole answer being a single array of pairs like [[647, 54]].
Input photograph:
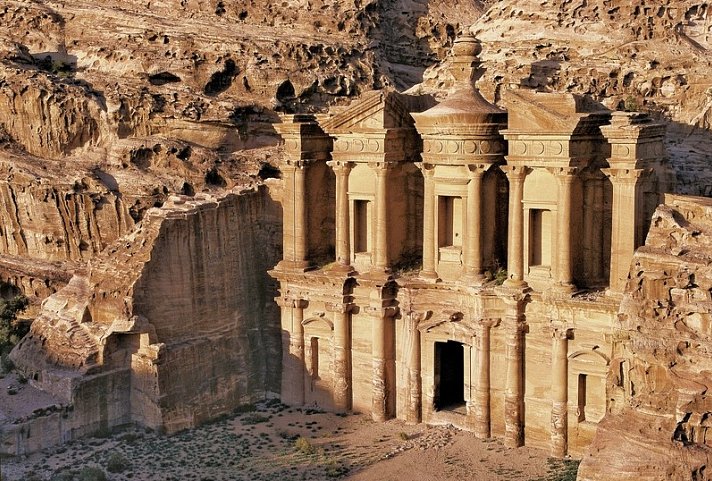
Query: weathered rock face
[[175, 322], [657, 423], [175, 96], [628, 55]]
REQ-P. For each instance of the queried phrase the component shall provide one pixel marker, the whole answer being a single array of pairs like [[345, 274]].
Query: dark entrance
[[449, 375]]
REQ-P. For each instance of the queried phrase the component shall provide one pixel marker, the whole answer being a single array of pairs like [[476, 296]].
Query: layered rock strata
[[658, 417], [172, 325]]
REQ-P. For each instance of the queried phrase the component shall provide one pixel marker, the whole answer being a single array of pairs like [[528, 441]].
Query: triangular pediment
[[377, 110], [540, 112]]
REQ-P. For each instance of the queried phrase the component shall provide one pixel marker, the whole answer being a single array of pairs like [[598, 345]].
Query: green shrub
[[403, 436], [63, 476], [254, 418], [10, 330], [92, 473], [117, 463]]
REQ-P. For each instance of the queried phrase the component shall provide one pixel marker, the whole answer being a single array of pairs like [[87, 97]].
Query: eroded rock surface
[[658, 421], [171, 325]]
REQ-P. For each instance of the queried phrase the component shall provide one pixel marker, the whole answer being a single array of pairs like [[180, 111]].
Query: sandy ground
[[263, 445]]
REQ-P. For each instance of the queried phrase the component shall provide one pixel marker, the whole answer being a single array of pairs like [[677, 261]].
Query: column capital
[[626, 176], [289, 301], [417, 317], [478, 169], [381, 168], [515, 173], [427, 169], [488, 323], [384, 312], [512, 296], [340, 165], [340, 307], [294, 164], [561, 331], [564, 174]]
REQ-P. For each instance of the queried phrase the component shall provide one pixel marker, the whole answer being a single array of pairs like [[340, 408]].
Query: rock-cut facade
[[452, 262]]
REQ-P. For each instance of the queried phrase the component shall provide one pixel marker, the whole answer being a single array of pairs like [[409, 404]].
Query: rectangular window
[[540, 237], [449, 221], [315, 357], [581, 397], [362, 226]]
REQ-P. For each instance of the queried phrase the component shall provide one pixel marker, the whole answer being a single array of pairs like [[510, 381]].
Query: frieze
[[463, 147]]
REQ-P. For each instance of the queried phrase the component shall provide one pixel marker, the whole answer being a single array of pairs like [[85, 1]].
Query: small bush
[[92, 474], [303, 445], [63, 476], [254, 418], [335, 469], [403, 436], [117, 463]]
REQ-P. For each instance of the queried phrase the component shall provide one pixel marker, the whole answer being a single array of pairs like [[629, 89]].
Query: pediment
[[451, 323], [377, 110], [540, 112]]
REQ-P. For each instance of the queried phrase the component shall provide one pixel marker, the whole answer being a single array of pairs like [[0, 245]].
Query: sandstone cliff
[[659, 411], [175, 322]]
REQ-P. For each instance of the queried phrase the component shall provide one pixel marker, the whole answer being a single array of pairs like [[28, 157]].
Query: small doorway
[[449, 375]]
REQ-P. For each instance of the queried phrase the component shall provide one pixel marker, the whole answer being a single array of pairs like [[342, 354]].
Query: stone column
[[473, 240], [625, 220], [514, 328], [379, 401], [294, 366], [343, 238], [589, 216], [288, 207], [564, 274], [342, 356], [559, 391], [300, 215], [429, 241], [481, 401], [413, 414], [515, 261], [380, 258]]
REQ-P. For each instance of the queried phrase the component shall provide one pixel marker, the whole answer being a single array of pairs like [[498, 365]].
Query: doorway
[[449, 375]]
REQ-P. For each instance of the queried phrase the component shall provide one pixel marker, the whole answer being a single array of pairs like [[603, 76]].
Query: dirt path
[[275, 442]]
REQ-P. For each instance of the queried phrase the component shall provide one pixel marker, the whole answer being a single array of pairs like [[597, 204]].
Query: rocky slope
[[658, 421]]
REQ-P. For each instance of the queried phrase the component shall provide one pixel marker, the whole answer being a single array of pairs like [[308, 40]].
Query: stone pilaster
[[343, 245], [481, 399], [413, 413], [342, 356], [304, 143], [514, 326], [564, 265], [381, 383], [429, 231], [472, 271], [293, 370], [380, 261], [626, 234], [559, 390], [637, 151], [515, 262]]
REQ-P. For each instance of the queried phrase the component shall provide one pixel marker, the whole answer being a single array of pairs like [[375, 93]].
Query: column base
[[429, 276], [515, 284], [563, 290], [299, 266], [378, 274], [472, 279], [341, 268]]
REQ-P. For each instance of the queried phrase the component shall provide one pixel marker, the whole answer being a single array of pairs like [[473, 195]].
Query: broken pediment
[[555, 113], [376, 111]]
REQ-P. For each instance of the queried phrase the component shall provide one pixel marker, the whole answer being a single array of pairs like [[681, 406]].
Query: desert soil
[[264, 443]]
